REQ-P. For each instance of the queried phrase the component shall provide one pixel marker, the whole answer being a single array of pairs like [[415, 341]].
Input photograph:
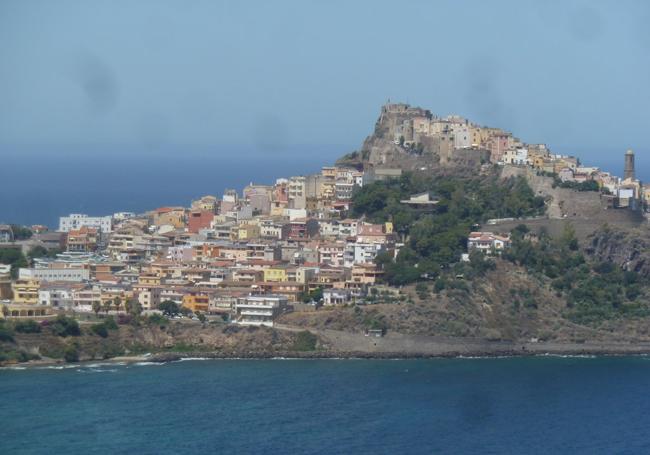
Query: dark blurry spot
[[483, 94], [98, 83], [270, 133], [586, 24]]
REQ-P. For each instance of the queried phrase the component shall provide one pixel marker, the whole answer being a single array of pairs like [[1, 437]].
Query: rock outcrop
[[628, 248]]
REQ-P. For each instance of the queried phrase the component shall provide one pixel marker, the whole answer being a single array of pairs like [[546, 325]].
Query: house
[[169, 216], [199, 219], [422, 201], [26, 291], [259, 309], [77, 220], [197, 302], [6, 233], [84, 239], [336, 297], [487, 242]]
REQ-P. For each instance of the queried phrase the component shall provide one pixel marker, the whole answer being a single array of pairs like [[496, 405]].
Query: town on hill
[[438, 236]]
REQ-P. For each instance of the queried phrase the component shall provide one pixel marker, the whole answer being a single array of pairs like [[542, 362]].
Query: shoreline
[[166, 357]]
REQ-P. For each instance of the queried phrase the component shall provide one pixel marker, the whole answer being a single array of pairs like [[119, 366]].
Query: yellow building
[[196, 302], [26, 291], [245, 232], [206, 203], [275, 274], [150, 279], [174, 216]]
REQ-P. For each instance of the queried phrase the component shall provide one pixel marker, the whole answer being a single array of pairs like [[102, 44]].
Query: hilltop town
[[429, 229]]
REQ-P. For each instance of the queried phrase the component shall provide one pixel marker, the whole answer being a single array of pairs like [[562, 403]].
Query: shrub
[[305, 341], [28, 326], [71, 354], [64, 326], [6, 334], [156, 319], [100, 329], [110, 323]]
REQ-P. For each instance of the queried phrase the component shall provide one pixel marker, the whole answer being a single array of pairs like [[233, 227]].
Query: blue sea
[[507, 405], [38, 185]]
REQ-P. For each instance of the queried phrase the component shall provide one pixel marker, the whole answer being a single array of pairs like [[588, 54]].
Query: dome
[[629, 152]]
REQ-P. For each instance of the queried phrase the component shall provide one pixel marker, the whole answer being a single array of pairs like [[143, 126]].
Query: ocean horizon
[[42, 183]]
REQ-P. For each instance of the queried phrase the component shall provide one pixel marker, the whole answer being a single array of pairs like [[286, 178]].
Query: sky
[[153, 74]]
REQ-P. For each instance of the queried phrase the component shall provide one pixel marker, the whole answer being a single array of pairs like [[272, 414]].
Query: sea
[[38, 184], [536, 405]]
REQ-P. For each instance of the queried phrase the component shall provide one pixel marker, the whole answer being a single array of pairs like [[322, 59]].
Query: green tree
[[5, 311], [106, 306], [169, 308], [21, 232], [201, 317], [133, 307], [97, 306]]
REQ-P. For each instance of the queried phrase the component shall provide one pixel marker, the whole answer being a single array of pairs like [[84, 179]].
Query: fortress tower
[[629, 165]]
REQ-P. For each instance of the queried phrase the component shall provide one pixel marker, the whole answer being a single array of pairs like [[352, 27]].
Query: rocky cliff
[[628, 248]]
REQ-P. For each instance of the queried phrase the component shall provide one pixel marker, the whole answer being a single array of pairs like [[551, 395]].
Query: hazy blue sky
[[571, 74]]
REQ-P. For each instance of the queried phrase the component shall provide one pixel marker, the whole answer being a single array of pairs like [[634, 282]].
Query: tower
[[629, 165]]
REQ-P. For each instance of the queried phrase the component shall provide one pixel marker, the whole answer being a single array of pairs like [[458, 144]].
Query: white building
[[361, 253], [59, 296], [487, 242], [336, 296], [259, 309], [75, 275], [77, 220]]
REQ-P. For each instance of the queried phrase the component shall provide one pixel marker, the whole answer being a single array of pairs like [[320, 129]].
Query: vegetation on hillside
[[593, 290], [435, 239]]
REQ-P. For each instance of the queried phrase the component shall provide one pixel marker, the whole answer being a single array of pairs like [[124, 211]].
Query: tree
[[97, 306], [21, 232], [5, 311], [169, 308], [201, 317], [133, 307], [38, 251], [107, 306], [117, 302]]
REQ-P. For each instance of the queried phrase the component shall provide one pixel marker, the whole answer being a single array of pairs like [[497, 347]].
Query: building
[[487, 242], [85, 239], [629, 165], [197, 302], [5, 282], [199, 219], [336, 297], [259, 309], [6, 233], [26, 291], [77, 220], [52, 274]]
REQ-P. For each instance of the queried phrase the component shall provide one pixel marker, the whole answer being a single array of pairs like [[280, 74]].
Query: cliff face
[[397, 143], [628, 248]]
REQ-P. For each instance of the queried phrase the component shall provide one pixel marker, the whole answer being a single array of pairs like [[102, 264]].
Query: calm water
[[534, 405], [39, 187]]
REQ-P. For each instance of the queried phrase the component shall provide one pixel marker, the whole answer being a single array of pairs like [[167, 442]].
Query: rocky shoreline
[[316, 355]]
